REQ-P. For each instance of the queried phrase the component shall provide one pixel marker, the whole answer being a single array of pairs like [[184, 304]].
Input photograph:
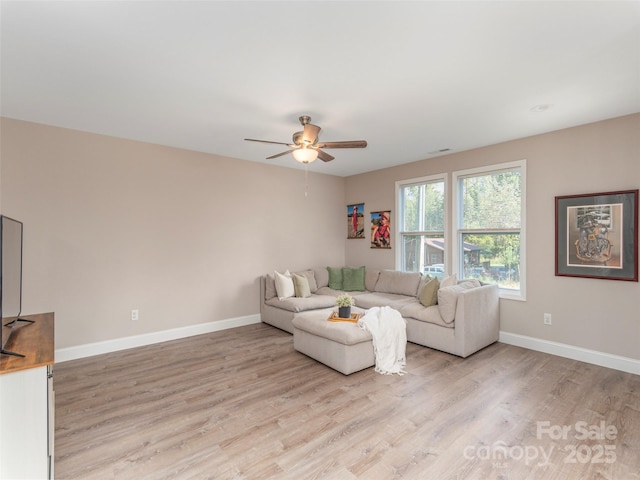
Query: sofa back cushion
[[370, 279], [321, 275], [401, 283], [448, 298], [269, 287]]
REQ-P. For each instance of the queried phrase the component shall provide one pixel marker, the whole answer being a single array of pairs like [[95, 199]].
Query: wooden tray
[[335, 318]]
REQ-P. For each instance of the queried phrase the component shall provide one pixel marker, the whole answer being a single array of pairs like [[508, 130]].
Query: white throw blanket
[[389, 332]]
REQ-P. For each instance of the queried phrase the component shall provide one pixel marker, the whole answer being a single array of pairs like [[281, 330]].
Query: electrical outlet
[[547, 319], [134, 315]]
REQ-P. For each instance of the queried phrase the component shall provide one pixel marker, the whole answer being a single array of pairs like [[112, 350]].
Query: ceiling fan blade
[[324, 156], [347, 144], [310, 133], [267, 141], [280, 154]]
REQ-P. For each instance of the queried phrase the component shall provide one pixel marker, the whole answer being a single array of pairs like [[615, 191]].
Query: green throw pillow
[[428, 294], [353, 279], [335, 278]]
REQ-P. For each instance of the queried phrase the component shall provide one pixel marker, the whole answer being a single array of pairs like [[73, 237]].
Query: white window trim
[[457, 220], [441, 177]]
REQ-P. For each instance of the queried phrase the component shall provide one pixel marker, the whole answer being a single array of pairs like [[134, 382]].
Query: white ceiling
[[408, 77]]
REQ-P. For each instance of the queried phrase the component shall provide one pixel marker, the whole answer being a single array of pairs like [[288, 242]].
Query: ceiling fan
[[306, 148]]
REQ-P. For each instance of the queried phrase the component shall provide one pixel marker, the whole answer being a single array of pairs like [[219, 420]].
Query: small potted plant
[[344, 302]]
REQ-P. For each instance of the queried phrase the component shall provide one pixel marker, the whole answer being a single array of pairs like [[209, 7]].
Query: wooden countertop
[[34, 340]]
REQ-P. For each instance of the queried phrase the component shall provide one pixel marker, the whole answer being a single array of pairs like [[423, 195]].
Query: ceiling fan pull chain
[[306, 180]]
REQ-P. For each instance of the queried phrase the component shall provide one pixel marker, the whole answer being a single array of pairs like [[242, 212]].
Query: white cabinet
[[27, 404], [25, 445]]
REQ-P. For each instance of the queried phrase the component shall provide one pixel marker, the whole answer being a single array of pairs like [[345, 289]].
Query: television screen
[[11, 279]]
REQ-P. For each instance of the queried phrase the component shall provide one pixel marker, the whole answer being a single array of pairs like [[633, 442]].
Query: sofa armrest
[[477, 321]]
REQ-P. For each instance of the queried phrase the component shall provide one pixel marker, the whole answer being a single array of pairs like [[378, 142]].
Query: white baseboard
[[98, 348], [602, 359], [595, 357]]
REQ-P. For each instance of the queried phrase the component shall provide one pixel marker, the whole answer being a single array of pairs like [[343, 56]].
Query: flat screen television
[[10, 280]]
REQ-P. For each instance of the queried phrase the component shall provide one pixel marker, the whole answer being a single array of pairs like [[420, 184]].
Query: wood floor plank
[[243, 404]]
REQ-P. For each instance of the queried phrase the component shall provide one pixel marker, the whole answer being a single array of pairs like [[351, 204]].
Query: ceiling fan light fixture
[[306, 148], [305, 155]]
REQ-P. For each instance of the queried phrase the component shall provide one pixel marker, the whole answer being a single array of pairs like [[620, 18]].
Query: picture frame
[[355, 221], [381, 229], [597, 235]]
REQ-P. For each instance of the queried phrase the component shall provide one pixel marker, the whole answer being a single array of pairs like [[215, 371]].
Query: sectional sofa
[[455, 317]]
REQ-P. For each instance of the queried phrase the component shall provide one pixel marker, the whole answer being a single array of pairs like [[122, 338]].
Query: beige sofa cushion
[[371, 278], [299, 304], [400, 283], [321, 275], [378, 299], [448, 298], [424, 314]]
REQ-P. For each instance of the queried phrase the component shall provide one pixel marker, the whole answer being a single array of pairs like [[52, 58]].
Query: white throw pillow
[[284, 285], [449, 281]]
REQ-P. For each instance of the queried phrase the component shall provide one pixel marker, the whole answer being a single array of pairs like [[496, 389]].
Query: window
[[421, 225], [489, 226]]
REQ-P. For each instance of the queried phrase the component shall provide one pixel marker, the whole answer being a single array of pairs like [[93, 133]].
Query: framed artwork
[[597, 235], [381, 229], [355, 220]]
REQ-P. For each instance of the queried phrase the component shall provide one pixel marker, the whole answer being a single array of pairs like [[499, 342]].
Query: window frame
[[399, 220], [456, 208]]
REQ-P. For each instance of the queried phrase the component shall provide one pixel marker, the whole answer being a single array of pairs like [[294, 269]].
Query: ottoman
[[342, 346]]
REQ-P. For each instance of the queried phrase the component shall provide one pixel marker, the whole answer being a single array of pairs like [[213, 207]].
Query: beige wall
[[113, 225], [600, 315]]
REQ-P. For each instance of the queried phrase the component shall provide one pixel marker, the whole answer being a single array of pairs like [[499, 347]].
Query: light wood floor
[[243, 404]]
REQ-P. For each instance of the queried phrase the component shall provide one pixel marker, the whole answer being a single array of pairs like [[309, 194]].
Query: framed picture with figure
[[381, 229], [355, 220], [597, 235]]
